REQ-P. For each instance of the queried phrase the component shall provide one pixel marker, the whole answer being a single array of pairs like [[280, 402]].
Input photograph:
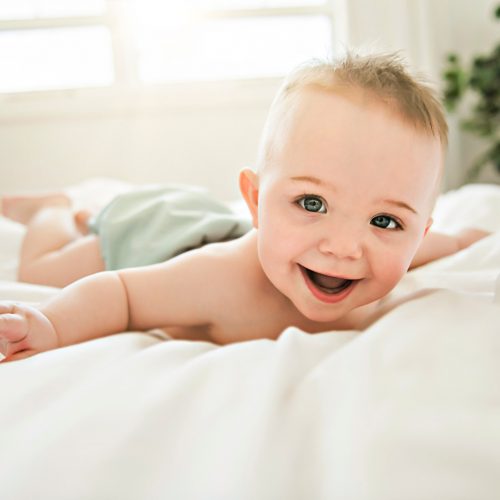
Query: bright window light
[[42, 59], [230, 48], [58, 44]]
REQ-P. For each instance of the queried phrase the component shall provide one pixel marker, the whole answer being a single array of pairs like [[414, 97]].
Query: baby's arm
[[107, 303], [437, 245], [89, 308]]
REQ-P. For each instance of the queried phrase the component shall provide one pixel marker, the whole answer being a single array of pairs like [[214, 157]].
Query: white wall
[[426, 31], [194, 135], [205, 135]]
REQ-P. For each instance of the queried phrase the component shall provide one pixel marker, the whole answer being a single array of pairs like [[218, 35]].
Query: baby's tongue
[[328, 281]]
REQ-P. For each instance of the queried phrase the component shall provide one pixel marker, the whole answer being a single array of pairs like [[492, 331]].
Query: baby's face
[[344, 202]]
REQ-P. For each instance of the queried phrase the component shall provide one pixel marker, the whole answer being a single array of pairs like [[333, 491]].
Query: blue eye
[[312, 204], [386, 222]]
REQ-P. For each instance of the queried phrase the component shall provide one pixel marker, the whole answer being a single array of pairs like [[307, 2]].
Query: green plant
[[482, 78]]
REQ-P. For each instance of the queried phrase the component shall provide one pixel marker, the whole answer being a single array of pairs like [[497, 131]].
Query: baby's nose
[[342, 243]]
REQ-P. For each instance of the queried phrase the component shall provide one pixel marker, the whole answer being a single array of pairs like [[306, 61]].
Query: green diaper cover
[[154, 223]]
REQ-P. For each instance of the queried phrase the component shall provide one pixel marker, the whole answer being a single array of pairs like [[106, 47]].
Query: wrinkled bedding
[[408, 409]]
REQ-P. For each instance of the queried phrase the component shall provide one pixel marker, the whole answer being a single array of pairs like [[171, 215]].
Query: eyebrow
[[319, 182], [313, 180], [401, 204]]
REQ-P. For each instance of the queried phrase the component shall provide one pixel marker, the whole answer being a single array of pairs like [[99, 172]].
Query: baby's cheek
[[272, 247], [392, 270]]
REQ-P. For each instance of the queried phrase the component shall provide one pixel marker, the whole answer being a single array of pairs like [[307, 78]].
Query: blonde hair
[[385, 76]]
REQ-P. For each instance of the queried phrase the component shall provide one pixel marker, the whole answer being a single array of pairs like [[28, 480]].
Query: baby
[[349, 169]]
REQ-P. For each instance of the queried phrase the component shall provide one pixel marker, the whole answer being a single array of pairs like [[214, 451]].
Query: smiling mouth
[[331, 285]]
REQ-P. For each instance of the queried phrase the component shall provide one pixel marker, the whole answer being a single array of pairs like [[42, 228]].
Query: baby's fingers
[[24, 331], [13, 327]]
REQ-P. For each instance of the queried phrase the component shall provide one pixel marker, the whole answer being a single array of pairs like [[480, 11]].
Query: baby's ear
[[428, 225], [249, 188]]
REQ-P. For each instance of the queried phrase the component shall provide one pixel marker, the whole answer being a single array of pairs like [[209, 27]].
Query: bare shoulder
[[190, 289], [243, 304], [234, 269]]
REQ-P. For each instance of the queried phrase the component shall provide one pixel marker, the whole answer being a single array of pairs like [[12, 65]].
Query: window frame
[[128, 94]]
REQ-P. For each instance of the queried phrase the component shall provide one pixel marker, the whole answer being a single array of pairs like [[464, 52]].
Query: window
[[56, 44]]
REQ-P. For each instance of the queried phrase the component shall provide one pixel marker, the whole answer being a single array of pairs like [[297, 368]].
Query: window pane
[[55, 58], [30, 9], [231, 48]]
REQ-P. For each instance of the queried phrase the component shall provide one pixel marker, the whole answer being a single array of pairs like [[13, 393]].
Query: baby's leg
[[59, 268], [22, 208], [54, 251]]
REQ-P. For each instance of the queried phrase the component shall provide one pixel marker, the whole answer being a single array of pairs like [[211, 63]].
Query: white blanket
[[409, 409]]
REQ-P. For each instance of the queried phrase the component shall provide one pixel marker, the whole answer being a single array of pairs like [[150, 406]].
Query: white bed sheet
[[409, 409]]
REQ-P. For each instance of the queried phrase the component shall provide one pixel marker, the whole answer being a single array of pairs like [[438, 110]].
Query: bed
[[408, 409]]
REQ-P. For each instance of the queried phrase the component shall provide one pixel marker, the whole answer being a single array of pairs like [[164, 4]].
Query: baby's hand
[[466, 237], [24, 331]]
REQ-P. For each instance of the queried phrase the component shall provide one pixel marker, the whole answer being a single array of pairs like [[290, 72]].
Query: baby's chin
[[339, 316], [327, 317]]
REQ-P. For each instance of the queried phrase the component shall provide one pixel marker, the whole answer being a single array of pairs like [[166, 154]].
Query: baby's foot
[[82, 220], [23, 208]]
